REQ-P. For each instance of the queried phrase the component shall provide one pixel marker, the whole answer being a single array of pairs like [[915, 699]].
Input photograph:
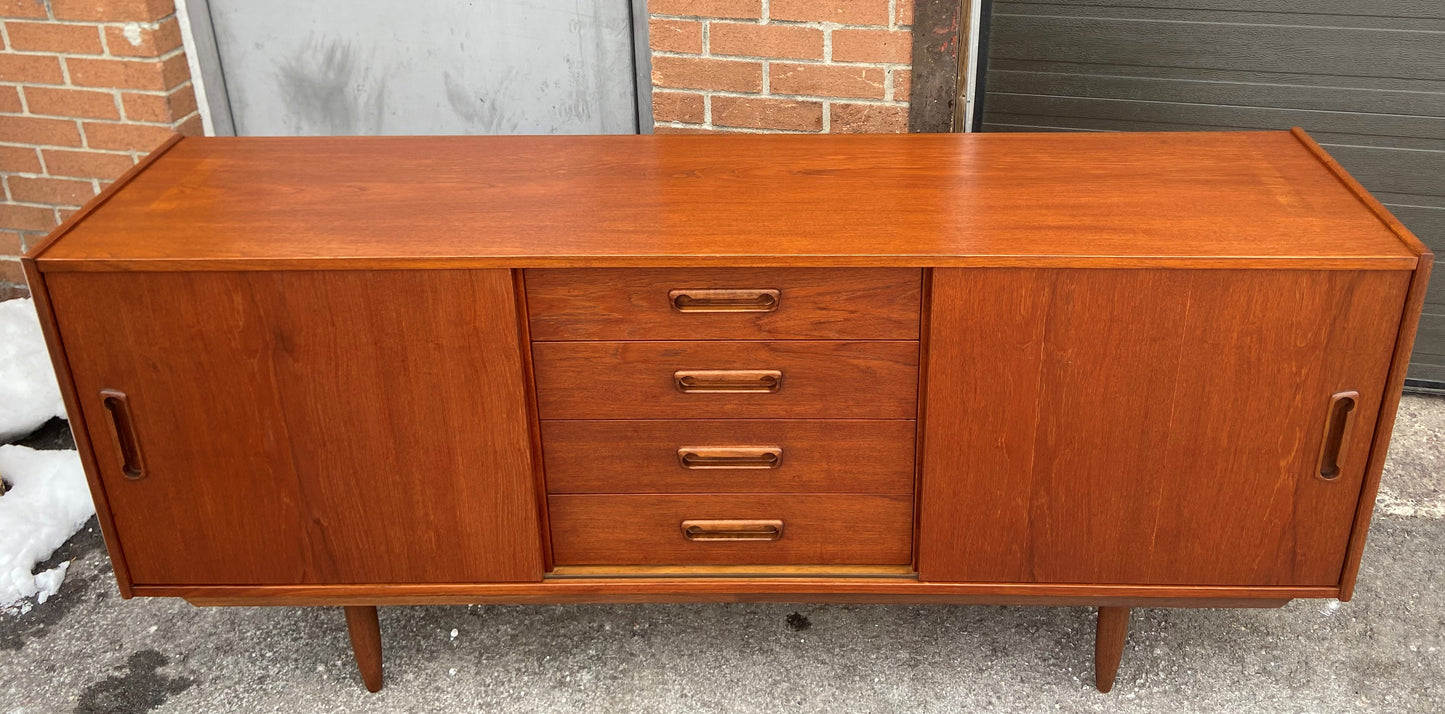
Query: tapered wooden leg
[[1109, 639], [365, 629]]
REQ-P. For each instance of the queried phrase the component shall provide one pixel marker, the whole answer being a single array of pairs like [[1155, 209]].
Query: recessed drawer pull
[[122, 424], [728, 381], [709, 300], [730, 457], [1338, 418], [732, 530]]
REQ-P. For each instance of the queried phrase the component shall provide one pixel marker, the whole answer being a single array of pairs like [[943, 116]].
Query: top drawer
[[724, 303]]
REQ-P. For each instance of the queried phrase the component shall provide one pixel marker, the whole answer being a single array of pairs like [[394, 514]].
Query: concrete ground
[[89, 651]]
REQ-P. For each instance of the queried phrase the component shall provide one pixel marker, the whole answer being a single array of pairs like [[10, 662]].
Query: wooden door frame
[[947, 65]]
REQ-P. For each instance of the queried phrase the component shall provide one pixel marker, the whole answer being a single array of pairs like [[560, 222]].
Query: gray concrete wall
[[454, 67]]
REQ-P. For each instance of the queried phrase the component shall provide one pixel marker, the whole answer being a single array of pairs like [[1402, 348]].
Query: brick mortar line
[[32, 204], [54, 210], [148, 24], [65, 148], [785, 97], [788, 60], [115, 93], [49, 206], [63, 117], [826, 114], [43, 85], [815, 24], [28, 175], [106, 55], [178, 122], [739, 129]]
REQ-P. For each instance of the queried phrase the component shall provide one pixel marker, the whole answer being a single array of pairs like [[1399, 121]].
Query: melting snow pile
[[47, 500], [47, 503], [29, 394]]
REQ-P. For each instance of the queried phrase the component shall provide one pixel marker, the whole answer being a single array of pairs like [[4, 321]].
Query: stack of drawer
[[728, 416]]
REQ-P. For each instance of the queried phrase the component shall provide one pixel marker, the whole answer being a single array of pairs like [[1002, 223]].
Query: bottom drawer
[[708, 529]]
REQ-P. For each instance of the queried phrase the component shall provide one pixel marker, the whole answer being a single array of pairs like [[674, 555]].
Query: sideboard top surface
[[1222, 199]]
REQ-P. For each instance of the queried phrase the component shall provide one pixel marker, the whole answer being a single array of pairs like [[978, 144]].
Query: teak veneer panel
[[1253, 199], [295, 429], [875, 590], [813, 303], [635, 380], [818, 529], [1147, 427], [818, 456]]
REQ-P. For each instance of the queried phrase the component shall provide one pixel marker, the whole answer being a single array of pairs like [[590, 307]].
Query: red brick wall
[[780, 65], [86, 88]]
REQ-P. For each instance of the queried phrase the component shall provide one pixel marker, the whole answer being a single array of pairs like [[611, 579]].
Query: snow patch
[[48, 582], [48, 502], [29, 394]]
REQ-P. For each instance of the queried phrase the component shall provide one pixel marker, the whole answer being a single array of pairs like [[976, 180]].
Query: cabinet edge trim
[[1385, 424], [859, 590], [105, 195], [1361, 194], [50, 328]]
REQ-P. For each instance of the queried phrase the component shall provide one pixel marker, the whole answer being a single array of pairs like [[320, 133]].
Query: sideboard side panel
[[1379, 448], [1147, 427]]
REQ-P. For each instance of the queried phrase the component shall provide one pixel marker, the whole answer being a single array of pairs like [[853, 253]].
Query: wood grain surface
[[634, 380], [1384, 426], [298, 430], [364, 628], [741, 589], [78, 427], [817, 304], [1111, 631], [818, 456], [818, 529], [1249, 199], [1147, 427]]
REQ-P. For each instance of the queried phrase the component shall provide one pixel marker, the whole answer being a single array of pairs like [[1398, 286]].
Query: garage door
[[1366, 79]]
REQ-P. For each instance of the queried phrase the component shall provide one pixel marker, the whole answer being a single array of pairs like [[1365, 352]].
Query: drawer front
[[719, 380], [724, 303], [829, 529], [732, 456]]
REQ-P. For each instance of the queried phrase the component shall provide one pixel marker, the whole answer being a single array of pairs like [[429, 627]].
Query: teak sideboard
[[1112, 370]]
